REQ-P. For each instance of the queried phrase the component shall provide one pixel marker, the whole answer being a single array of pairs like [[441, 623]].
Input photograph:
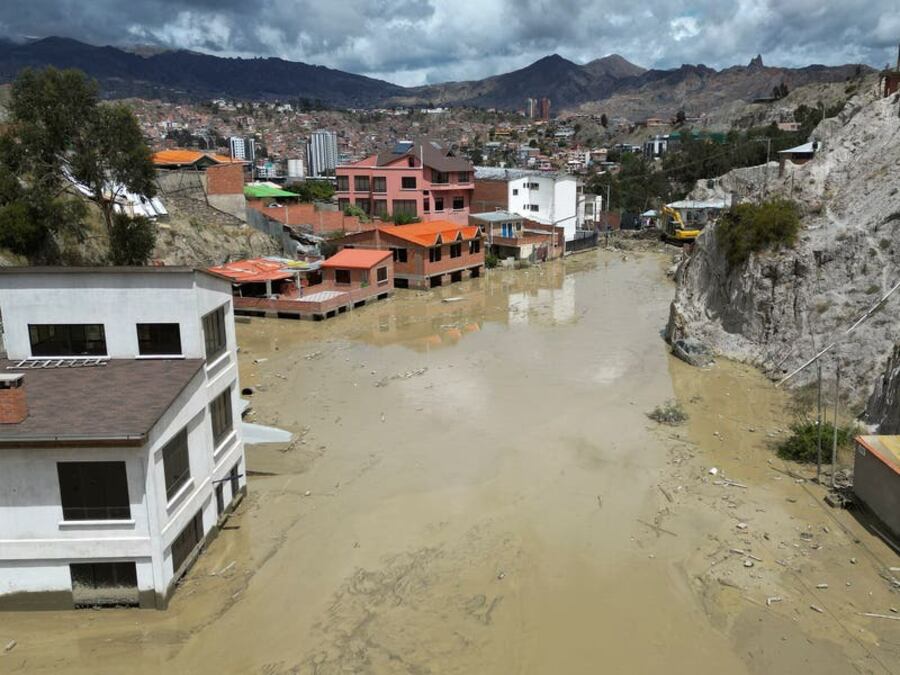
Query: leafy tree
[[312, 190], [58, 131], [680, 118], [131, 240], [604, 121]]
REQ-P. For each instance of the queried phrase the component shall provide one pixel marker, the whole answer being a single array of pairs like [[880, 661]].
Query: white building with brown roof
[[120, 445]]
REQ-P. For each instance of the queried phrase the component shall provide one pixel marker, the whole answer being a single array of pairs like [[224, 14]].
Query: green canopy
[[266, 192]]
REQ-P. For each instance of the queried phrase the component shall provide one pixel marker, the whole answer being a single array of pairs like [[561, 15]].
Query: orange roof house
[[426, 254], [174, 159], [358, 259]]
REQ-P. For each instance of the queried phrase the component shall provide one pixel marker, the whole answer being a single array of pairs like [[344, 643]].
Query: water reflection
[[425, 320]]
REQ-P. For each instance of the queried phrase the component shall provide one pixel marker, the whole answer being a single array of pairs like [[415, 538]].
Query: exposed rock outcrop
[[883, 410], [781, 307]]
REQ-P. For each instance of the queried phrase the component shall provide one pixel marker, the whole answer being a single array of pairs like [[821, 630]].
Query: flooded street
[[475, 487]]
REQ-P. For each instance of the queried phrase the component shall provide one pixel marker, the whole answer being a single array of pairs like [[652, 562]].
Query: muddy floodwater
[[475, 487]]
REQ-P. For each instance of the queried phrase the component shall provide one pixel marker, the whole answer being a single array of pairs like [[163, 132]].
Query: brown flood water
[[476, 488]]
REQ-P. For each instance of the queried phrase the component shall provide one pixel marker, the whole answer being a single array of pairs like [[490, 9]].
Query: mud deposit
[[475, 488]]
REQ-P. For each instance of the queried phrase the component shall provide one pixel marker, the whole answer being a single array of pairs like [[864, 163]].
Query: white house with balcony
[[120, 450], [550, 199]]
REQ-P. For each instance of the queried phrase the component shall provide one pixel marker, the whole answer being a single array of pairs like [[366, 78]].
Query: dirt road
[[475, 488]]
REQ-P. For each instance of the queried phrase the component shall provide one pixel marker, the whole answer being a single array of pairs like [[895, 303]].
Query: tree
[[312, 190], [111, 157], [131, 240], [680, 118], [59, 132], [604, 121]]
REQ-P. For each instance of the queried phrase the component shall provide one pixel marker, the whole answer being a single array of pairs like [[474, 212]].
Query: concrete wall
[[878, 486], [555, 196]]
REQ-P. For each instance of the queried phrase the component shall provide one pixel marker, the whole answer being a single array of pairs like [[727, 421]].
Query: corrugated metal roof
[[496, 216], [263, 191], [805, 149], [253, 270]]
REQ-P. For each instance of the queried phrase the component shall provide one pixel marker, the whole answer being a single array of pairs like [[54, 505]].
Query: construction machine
[[674, 231]]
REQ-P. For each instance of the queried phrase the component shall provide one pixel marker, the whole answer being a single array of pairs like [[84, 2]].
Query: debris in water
[[713, 471], [774, 598], [881, 616], [307, 493], [822, 586], [817, 609], [455, 298], [501, 575], [748, 563], [10, 646]]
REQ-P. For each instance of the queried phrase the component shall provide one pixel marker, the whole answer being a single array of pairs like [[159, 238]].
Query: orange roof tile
[[253, 270], [180, 157], [357, 258], [426, 234]]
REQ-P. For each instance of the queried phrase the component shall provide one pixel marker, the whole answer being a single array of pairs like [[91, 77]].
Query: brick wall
[[225, 179], [489, 195], [308, 216], [13, 405]]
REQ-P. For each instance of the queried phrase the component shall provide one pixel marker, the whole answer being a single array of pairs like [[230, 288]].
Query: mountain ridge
[[150, 73]]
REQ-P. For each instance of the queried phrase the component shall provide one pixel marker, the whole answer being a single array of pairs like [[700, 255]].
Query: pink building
[[422, 179]]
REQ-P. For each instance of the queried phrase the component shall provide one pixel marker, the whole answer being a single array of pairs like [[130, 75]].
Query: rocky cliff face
[[781, 307], [883, 410]]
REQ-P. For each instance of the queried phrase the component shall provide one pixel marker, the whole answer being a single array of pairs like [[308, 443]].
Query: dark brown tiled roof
[[432, 154], [122, 400]]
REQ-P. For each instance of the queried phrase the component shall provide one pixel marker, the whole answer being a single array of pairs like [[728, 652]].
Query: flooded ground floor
[[475, 487]]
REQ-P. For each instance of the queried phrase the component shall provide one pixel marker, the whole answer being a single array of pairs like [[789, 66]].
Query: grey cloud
[[418, 41]]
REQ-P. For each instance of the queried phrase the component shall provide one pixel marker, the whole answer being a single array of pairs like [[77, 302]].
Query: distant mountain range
[[148, 73]]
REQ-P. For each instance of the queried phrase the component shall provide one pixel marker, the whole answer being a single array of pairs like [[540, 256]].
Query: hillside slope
[[782, 307]]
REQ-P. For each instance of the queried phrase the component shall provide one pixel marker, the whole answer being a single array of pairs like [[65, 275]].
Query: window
[[214, 332], [380, 208], [533, 207], [343, 183], [408, 182], [361, 183], [459, 203], [111, 583], [434, 254], [474, 246], [158, 338], [187, 541], [399, 254], [533, 186], [438, 203], [426, 205], [519, 226], [93, 490], [515, 191], [410, 161], [440, 177], [379, 184], [462, 177], [176, 463], [405, 207], [455, 250], [220, 414], [342, 276], [343, 204], [364, 204], [233, 478], [381, 275], [76, 339]]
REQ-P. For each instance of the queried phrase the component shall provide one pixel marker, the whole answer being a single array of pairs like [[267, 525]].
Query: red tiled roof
[[182, 157], [254, 270], [426, 234], [357, 258]]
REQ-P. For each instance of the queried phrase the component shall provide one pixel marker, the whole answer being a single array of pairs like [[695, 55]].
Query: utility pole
[[766, 178], [837, 384], [819, 425]]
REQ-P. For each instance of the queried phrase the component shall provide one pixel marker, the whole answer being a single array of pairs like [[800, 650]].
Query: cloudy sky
[[424, 41]]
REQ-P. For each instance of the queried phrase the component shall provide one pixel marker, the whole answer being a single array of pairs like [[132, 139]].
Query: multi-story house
[[419, 179], [120, 445]]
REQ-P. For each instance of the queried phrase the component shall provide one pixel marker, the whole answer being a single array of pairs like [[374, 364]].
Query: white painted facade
[[37, 544], [550, 200]]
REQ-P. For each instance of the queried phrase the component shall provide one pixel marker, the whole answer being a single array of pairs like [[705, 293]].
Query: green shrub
[[752, 228], [404, 219], [671, 413], [802, 444], [491, 261]]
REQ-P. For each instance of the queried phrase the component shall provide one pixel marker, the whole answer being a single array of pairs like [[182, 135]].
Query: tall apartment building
[[120, 443], [544, 108], [321, 153], [243, 149]]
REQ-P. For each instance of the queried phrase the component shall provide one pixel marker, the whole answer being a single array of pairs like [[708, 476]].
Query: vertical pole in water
[[819, 424], [837, 384]]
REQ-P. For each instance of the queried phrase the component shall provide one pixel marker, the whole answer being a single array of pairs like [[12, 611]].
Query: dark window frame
[[474, 246], [221, 417], [342, 184], [62, 339], [456, 249], [361, 183], [379, 184], [400, 255], [187, 540], [381, 275], [458, 203], [153, 343], [341, 275], [438, 203], [404, 182], [93, 491], [434, 254], [215, 337], [176, 463]]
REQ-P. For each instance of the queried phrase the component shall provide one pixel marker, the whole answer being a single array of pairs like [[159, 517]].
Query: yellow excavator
[[674, 231]]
